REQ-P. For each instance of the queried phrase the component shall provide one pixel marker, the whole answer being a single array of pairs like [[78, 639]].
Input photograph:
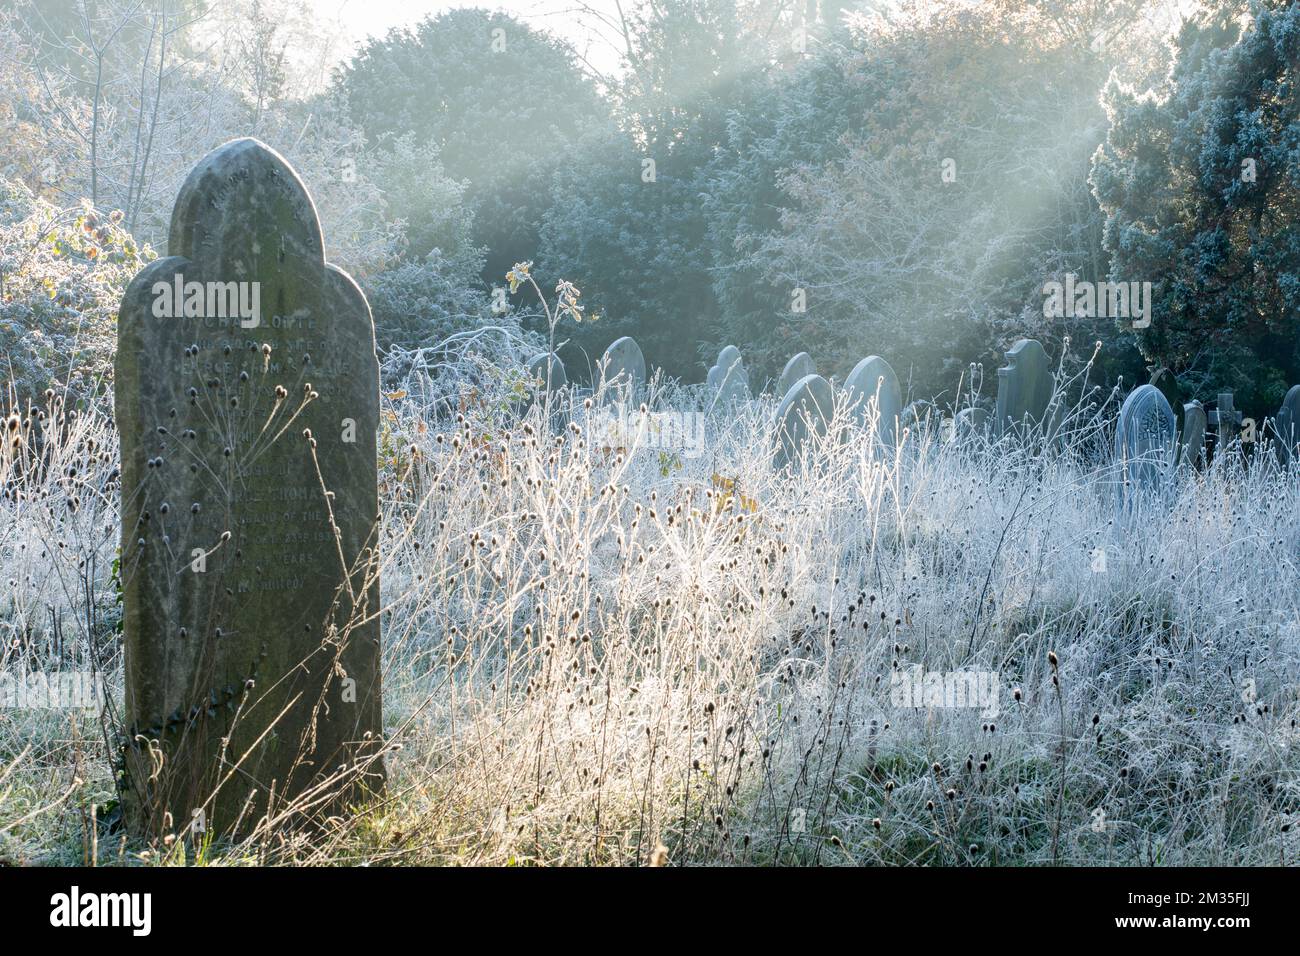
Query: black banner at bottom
[[331, 906]]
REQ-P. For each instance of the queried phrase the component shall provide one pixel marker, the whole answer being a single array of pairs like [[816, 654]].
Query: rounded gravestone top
[[1165, 380], [873, 381], [806, 409], [795, 369], [623, 364], [1146, 443], [537, 370], [969, 422], [243, 205], [732, 385]]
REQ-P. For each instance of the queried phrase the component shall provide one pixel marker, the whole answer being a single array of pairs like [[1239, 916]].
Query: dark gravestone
[[1288, 427], [250, 596], [797, 368], [1193, 434], [1226, 420], [546, 371], [1024, 387], [804, 412], [547, 382], [1146, 445], [874, 393], [1167, 383]]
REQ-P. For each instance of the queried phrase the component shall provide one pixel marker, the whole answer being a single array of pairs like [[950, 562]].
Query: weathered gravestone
[[915, 416], [1165, 380], [728, 357], [874, 393], [805, 411], [1192, 442], [713, 378], [797, 368], [547, 380], [1226, 420], [1024, 387], [729, 378], [1287, 425], [547, 372], [970, 422], [734, 388], [622, 369], [247, 402], [1146, 445]]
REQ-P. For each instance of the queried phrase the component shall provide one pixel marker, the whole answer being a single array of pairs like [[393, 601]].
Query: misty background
[[843, 179]]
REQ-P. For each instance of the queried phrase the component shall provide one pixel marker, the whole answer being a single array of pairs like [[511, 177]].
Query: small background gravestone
[[1165, 380], [1226, 420], [1193, 434], [1146, 445], [731, 381], [795, 369], [727, 357], [622, 369], [970, 422], [1024, 387], [547, 370], [805, 411], [873, 391], [548, 380], [250, 598], [1287, 426]]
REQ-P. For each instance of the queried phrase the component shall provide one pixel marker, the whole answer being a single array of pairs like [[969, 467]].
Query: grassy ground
[[604, 655]]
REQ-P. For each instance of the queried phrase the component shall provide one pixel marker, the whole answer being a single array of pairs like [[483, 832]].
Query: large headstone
[[622, 369], [874, 394], [805, 411], [247, 404], [1288, 427], [797, 368], [1146, 445], [1024, 387]]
